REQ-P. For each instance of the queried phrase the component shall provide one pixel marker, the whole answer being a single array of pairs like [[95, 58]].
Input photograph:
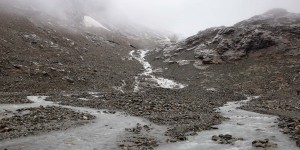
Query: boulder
[[226, 139], [264, 144]]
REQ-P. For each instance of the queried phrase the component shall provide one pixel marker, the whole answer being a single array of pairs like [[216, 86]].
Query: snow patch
[[91, 22]]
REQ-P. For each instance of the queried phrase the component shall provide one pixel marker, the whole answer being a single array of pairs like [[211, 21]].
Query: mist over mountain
[[177, 16], [72, 13], [149, 74]]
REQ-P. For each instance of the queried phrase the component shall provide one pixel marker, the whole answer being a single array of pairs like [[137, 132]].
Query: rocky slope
[[50, 55], [68, 50], [258, 56], [71, 14], [274, 32]]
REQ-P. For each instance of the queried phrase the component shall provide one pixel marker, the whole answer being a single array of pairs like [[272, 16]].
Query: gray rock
[[264, 144], [226, 139]]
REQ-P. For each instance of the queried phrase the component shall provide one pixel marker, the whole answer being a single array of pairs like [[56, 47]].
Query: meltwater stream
[[248, 125], [101, 134], [147, 75], [106, 130]]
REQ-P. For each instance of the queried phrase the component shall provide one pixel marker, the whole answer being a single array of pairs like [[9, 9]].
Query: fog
[[189, 16], [185, 17]]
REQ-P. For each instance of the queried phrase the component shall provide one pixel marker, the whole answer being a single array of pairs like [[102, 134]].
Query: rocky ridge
[[266, 34]]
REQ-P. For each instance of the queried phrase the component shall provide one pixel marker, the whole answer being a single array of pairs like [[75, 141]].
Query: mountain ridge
[[225, 44]]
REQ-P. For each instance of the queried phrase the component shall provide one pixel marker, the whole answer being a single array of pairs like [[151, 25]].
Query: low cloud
[[186, 17]]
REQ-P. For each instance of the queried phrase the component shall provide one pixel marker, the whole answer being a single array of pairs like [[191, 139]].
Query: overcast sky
[[187, 17]]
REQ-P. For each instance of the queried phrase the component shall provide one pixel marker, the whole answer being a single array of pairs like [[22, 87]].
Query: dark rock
[[215, 138], [4, 128], [132, 46], [34, 42], [207, 60], [182, 138], [264, 144], [70, 80], [226, 31], [18, 66], [285, 130], [226, 139], [3, 73]]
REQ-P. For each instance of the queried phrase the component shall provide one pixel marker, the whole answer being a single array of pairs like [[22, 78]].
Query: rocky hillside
[[72, 14], [258, 56], [69, 48], [50, 54], [274, 32]]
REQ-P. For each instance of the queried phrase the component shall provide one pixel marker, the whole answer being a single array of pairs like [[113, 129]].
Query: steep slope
[[81, 13], [38, 56]]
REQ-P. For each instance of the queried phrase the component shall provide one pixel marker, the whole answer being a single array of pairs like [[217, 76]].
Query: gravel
[[14, 99], [34, 121]]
